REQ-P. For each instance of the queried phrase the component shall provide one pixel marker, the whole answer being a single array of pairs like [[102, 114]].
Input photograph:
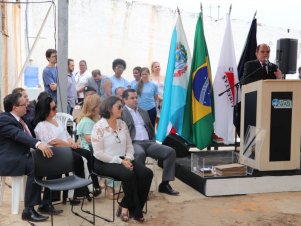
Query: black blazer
[[252, 66], [15, 146]]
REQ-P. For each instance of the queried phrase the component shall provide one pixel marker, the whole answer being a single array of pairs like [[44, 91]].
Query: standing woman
[[89, 115], [114, 157], [158, 79], [147, 94]]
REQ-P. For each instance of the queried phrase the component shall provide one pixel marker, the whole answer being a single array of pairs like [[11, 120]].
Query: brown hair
[[140, 83], [90, 104]]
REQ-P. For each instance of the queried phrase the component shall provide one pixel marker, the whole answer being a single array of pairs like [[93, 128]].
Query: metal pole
[[62, 56]]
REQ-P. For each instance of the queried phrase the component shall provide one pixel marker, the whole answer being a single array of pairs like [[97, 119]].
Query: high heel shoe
[[96, 192], [123, 216]]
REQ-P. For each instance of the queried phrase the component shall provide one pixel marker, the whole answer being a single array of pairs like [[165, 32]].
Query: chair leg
[[17, 191], [2, 186], [51, 213]]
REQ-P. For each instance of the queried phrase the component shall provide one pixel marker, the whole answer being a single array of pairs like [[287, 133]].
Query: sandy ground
[[190, 208]]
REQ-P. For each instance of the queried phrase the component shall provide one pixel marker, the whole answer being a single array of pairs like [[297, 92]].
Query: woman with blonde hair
[[158, 79], [88, 116]]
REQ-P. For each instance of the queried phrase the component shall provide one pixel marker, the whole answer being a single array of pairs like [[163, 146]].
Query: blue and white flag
[[175, 85]]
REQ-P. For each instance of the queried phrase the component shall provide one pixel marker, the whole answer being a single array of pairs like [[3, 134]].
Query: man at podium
[[261, 68]]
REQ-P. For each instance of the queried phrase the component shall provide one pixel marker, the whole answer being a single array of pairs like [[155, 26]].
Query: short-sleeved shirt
[[50, 76], [84, 127], [133, 84], [121, 82], [146, 100]]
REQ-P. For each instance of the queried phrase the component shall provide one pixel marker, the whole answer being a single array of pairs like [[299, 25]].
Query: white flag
[[225, 77]]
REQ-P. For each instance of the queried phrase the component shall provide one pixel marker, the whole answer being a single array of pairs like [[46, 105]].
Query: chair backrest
[[63, 119], [61, 162]]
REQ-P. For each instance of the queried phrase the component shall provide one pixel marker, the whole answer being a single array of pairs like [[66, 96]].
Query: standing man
[[71, 87], [81, 79], [143, 137], [261, 68], [15, 142], [100, 83], [50, 74]]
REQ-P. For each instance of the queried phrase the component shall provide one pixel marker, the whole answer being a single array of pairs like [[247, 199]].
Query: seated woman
[[114, 155], [48, 130], [88, 116]]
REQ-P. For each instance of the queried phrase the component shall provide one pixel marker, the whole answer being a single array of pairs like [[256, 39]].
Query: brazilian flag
[[199, 115]]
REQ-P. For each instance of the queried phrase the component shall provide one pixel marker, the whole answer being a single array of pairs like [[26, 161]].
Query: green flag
[[199, 115]]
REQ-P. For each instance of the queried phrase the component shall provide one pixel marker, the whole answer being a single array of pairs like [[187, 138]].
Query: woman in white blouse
[[114, 155], [48, 130]]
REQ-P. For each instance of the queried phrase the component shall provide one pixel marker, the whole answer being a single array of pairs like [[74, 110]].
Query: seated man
[[15, 142], [143, 136]]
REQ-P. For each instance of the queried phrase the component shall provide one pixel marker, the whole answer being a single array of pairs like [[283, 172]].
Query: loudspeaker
[[286, 55], [176, 142]]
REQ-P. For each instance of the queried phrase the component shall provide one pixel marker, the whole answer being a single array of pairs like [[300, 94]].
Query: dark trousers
[[135, 183], [152, 113], [32, 191], [87, 155]]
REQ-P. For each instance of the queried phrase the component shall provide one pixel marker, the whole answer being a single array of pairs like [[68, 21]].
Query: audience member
[[81, 78], [143, 136], [117, 80], [51, 132], [137, 76], [114, 155], [100, 83], [119, 91], [89, 115], [15, 142], [71, 87], [147, 94], [158, 79], [50, 74]]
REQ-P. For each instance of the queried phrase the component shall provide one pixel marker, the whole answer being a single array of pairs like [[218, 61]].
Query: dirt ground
[[189, 209]]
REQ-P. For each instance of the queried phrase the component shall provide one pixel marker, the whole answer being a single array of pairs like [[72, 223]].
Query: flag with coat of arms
[[175, 85]]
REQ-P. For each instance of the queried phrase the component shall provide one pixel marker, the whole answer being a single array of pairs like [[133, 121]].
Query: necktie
[[25, 127]]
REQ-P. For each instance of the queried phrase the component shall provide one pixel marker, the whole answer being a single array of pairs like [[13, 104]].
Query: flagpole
[[255, 14], [178, 10], [230, 9]]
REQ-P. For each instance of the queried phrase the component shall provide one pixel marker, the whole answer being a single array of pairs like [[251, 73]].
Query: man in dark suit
[[143, 137], [15, 157], [261, 68]]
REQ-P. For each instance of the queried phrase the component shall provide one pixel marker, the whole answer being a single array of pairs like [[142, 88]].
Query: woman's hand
[[72, 144], [127, 164]]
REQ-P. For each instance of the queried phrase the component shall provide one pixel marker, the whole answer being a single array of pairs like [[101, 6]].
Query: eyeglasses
[[53, 108], [119, 67], [119, 107], [21, 105], [117, 139]]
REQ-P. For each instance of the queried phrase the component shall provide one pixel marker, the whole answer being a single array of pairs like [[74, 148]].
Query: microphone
[[266, 62]]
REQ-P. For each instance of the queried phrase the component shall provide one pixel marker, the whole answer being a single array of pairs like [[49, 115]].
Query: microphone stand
[[237, 85]]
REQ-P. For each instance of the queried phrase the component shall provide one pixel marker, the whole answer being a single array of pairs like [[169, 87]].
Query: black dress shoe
[[32, 215], [166, 188], [48, 209]]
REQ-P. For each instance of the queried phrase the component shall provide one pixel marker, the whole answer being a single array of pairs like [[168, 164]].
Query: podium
[[271, 125]]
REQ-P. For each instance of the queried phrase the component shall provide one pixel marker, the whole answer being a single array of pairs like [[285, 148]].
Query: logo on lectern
[[282, 103]]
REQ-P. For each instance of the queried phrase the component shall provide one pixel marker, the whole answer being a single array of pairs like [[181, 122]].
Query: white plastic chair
[[63, 119], [18, 191], [154, 163]]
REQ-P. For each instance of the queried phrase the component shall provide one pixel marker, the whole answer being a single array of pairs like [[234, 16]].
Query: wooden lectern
[[273, 107]]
